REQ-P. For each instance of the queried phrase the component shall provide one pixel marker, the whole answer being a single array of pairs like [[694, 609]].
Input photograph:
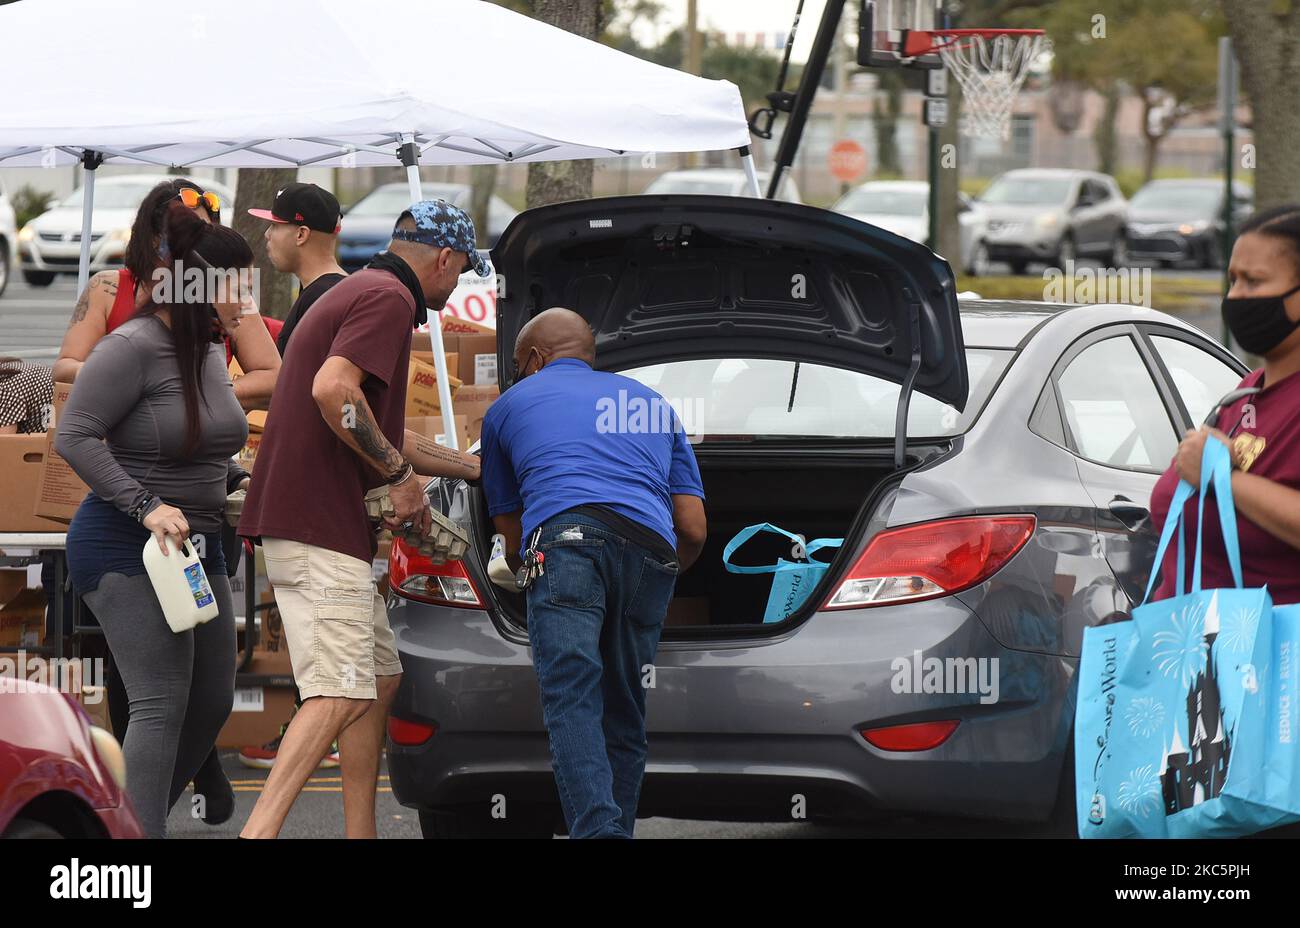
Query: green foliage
[[28, 203]]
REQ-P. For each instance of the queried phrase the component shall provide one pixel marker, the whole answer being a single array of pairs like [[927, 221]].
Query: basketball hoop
[[990, 64]]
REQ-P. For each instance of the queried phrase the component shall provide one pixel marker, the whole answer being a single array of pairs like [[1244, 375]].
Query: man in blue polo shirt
[[614, 505]]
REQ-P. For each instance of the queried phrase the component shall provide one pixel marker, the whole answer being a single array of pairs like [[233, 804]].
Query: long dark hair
[[147, 230], [195, 246], [1281, 222]]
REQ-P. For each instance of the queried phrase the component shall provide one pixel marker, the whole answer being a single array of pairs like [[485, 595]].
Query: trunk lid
[[677, 277]]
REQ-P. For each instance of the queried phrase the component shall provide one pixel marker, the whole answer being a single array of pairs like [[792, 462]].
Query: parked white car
[[903, 207], [8, 237], [726, 182], [51, 243]]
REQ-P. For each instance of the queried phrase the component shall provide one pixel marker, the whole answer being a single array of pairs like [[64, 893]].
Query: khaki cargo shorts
[[335, 624]]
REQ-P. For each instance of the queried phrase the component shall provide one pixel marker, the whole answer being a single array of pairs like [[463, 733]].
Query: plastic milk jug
[[180, 583]]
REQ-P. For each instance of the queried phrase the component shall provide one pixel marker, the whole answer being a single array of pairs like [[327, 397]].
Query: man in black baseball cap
[[301, 240]]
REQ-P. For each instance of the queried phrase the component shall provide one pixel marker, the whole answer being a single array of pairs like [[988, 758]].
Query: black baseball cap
[[304, 205]]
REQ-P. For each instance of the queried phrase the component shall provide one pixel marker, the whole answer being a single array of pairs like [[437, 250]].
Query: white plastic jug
[[499, 571], [181, 585]]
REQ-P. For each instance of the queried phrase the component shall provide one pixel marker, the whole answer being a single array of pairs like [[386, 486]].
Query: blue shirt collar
[[566, 362]]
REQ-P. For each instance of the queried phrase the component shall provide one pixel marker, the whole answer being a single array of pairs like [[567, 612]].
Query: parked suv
[[1053, 216], [1171, 221], [1008, 516]]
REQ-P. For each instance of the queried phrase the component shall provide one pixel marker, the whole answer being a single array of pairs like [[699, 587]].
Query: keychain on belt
[[534, 563]]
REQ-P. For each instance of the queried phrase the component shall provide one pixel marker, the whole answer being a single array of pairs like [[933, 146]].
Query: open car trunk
[[820, 496], [863, 319]]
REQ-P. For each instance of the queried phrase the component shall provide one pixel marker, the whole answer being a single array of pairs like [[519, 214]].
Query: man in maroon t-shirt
[[336, 424]]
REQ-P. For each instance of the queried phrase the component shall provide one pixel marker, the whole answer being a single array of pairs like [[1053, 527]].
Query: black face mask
[[1260, 323]]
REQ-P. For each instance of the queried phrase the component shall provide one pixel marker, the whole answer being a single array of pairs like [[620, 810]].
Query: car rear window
[[762, 397]]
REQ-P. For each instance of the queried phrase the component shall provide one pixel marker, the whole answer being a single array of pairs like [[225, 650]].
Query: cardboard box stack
[[472, 357]]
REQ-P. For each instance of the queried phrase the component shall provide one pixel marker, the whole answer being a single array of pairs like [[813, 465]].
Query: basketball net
[[991, 71]]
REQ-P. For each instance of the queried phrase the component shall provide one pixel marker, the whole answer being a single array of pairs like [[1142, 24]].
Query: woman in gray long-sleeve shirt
[[151, 426]]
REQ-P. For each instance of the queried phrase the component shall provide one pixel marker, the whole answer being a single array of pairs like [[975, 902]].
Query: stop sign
[[848, 160]]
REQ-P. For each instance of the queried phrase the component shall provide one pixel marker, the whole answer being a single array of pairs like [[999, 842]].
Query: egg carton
[[446, 540]]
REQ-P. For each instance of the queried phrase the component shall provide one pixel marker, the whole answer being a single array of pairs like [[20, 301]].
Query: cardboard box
[[464, 327], [426, 357], [21, 460], [473, 401], [688, 610], [422, 389], [432, 427], [478, 359], [258, 713], [22, 619], [60, 491]]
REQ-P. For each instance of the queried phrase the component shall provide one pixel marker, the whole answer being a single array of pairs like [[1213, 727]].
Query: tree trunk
[[257, 187], [556, 181], [1150, 140], [1104, 136], [1264, 35], [484, 180]]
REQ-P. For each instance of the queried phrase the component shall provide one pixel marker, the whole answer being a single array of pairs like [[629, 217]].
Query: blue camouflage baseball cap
[[442, 225]]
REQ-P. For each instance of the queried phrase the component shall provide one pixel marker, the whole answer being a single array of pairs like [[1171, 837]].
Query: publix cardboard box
[[21, 461], [422, 389], [59, 491]]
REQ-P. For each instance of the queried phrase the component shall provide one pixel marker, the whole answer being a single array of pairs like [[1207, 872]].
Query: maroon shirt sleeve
[[375, 332]]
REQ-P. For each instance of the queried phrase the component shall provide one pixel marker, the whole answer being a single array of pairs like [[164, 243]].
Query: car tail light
[[921, 736], [415, 576], [916, 562], [408, 733]]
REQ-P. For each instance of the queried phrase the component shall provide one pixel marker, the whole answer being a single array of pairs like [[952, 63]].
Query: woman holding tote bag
[[1262, 310]]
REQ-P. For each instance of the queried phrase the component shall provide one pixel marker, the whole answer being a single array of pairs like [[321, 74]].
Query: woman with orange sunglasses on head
[[112, 297]]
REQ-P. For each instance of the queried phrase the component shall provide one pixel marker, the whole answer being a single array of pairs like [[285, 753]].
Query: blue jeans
[[594, 619]]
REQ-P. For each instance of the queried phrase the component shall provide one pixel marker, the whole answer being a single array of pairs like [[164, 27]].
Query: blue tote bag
[[792, 580], [1177, 725]]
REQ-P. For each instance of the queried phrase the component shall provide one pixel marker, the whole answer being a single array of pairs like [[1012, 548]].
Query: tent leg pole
[[751, 174], [89, 162], [409, 155]]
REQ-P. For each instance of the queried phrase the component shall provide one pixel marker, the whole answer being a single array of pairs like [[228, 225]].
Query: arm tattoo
[[365, 431], [455, 461], [105, 280]]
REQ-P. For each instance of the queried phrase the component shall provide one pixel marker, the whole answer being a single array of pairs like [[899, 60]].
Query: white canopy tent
[[336, 83]]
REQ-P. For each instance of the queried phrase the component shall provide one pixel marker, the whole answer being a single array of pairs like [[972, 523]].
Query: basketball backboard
[[883, 26]]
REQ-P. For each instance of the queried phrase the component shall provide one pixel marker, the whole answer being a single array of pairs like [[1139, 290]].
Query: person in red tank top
[[112, 297], [1262, 310]]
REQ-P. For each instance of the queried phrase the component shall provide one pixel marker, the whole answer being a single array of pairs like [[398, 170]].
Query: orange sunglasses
[[192, 198]]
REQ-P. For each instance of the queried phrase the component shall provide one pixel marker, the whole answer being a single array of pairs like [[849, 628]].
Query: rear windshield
[[753, 397]]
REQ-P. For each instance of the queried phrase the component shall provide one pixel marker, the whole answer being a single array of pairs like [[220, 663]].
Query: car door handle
[[1130, 513]]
